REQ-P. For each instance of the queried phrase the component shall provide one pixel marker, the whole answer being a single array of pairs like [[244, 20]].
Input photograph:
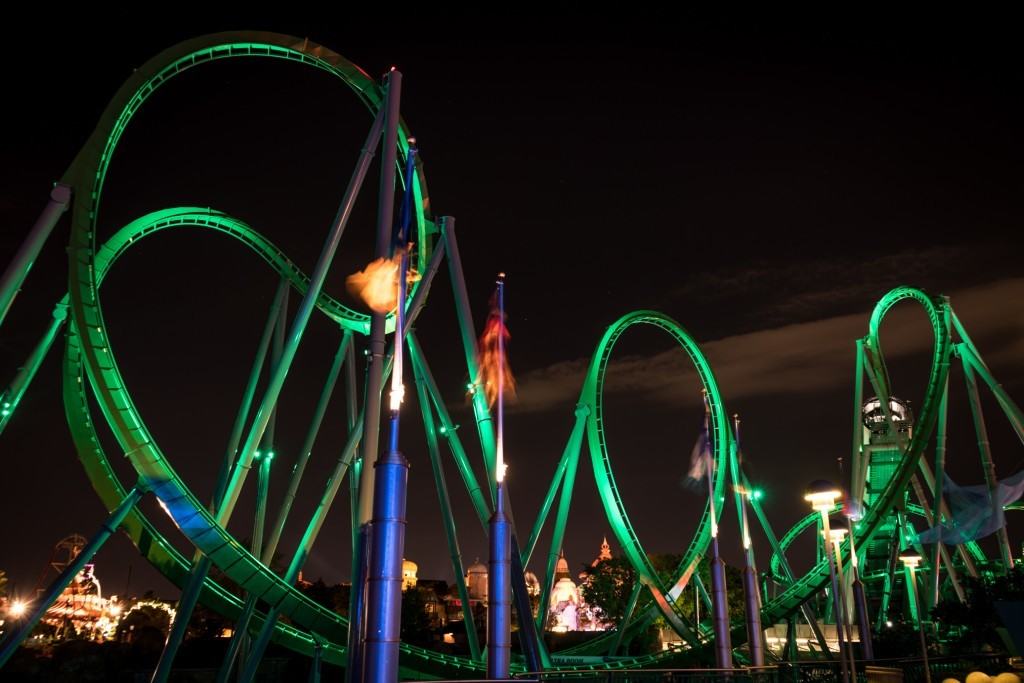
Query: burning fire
[[377, 284], [492, 366]]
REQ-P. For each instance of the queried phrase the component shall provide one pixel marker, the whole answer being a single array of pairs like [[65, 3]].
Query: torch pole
[[390, 486], [499, 603]]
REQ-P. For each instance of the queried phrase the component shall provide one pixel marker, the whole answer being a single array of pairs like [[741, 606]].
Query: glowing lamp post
[[910, 563], [822, 496]]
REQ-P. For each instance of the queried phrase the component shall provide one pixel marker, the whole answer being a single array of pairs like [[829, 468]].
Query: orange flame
[[491, 363], [377, 284]]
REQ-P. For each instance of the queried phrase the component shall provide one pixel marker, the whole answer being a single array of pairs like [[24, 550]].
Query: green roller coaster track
[[90, 367]]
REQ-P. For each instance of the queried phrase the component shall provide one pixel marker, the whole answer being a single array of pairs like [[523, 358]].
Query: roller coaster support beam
[[843, 617], [17, 271], [571, 451], [351, 417], [11, 396], [201, 564], [534, 652], [564, 502], [440, 483], [307, 447], [857, 463], [987, 464], [385, 239], [70, 571], [481, 412], [237, 639], [309, 537], [1013, 412], [751, 594], [860, 603], [240, 640], [837, 606], [357, 604], [620, 630], [932, 519], [773, 540], [940, 466], [298, 328], [448, 431], [965, 556], [318, 653]]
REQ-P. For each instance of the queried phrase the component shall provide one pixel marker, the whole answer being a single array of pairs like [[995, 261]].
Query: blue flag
[[975, 512]]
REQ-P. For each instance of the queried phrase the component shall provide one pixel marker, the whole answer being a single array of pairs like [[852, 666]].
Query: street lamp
[[822, 496], [910, 562]]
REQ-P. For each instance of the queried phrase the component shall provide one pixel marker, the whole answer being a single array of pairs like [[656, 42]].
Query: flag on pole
[[701, 461]]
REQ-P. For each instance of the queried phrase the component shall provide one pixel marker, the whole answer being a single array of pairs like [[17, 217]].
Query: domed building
[[564, 603], [476, 580], [567, 609], [409, 574]]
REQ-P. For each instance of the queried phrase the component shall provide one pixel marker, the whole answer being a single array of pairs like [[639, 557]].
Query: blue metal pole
[[499, 600], [720, 606], [70, 571], [384, 243], [384, 583], [387, 497]]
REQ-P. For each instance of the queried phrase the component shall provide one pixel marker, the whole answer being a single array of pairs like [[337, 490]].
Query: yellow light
[[115, 610], [837, 535], [910, 561], [823, 500], [18, 609], [397, 395]]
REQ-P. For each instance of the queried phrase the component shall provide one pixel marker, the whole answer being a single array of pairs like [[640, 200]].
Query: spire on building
[[562, 568]]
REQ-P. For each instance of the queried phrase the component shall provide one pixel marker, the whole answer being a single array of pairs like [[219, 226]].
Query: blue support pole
[[499, 600], [720, 606], [61, 582], [384, 583]]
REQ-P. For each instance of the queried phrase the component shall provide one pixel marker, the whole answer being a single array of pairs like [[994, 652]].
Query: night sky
[[762, 185]]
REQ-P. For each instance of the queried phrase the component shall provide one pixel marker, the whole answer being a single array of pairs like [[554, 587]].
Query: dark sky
[[763, 184]]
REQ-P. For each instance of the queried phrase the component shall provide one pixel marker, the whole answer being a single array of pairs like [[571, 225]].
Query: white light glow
[[823, 500]]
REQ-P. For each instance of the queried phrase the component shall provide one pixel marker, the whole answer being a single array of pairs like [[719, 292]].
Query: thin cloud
[[800, 358]]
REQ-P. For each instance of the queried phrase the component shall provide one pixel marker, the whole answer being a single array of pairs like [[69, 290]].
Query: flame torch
[[499, 588]]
